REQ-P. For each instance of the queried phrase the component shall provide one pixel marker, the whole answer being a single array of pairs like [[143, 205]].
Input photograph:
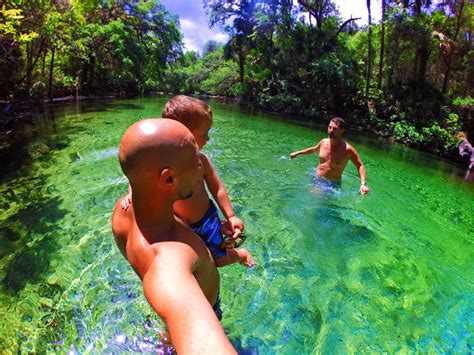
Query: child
[[198, 211]]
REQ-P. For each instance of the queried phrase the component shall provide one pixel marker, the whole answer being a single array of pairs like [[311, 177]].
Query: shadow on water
[[28, 235], [25, 142]]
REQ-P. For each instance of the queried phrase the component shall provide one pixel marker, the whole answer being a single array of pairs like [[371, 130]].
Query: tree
[[382, 46], [456, 8], [369, 51], [240, 33], [318, 9]]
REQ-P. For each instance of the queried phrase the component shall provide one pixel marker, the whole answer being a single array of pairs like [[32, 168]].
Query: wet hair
[[187, 110], [339, 121]]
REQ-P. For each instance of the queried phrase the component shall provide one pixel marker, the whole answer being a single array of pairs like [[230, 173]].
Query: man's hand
[[236, 226], [364, 189], [293, 155]]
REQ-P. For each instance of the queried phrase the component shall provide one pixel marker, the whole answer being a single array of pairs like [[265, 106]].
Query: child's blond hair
[[187, 110]]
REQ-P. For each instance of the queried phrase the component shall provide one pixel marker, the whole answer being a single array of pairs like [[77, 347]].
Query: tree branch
[[345, 23]]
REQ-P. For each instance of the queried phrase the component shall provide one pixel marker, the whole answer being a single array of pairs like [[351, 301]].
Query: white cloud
[[358, 8], [193, 24], [196, 35], [194, 21]]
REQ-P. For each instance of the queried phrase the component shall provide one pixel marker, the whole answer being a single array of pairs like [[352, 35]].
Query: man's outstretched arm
[[355, 159], [175, 295], [309, 150]]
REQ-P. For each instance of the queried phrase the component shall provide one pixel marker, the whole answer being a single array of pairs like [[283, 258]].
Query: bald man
[[161, 161]]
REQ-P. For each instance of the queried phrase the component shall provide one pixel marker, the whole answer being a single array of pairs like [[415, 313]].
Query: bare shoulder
[[206, 163], [203, 157], [182, 249], [350, 149]]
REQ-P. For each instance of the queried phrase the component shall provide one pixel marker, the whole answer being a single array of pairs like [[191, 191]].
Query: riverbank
[[21, 114]]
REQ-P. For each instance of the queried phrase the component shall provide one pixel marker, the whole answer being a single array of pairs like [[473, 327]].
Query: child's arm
[[309, 150], [218, 191], [236, 255]]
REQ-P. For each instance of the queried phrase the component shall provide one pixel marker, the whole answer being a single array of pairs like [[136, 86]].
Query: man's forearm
[[362, 175]]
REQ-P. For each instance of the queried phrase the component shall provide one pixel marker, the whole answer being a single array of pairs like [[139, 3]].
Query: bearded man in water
[[334, 153]]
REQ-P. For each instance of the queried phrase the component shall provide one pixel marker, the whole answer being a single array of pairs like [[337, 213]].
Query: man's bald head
[[151, 145]]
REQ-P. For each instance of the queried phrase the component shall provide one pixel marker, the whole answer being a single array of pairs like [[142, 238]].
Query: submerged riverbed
[[340, 272]]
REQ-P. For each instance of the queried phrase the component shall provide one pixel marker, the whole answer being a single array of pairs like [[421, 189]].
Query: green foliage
[[406, 133], [93, 46], [211, 74], [438, 138], [464, 101], [11, 20], [291, 57]]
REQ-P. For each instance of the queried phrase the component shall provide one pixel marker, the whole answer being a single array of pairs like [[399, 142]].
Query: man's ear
[[166, 176]]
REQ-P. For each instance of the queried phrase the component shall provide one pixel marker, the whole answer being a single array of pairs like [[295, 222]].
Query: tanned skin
[[180, 280], [334, 153], [197, 117], [194, 208]]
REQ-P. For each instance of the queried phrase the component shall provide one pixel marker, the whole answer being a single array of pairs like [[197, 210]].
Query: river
[[336, 272]]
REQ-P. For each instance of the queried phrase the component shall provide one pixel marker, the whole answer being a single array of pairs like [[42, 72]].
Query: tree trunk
[[382, 47], [43, 67], [51, 67], [422, 66], [91, 82], [28, 65], [369, 53], [450, 56], [241, 65]]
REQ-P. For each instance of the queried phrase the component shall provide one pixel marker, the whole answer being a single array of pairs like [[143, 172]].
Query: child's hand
[[126, 202], [226, 228], [236, 226], [246, 258], [293, 155]]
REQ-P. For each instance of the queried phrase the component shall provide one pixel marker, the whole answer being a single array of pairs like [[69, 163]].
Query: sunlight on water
[[336, 272]]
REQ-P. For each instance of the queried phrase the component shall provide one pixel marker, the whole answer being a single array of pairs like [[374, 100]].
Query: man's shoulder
[[323, 142], [182, 248], [350, 150]]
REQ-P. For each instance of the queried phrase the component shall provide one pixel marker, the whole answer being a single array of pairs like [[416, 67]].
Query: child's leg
[[236, 255]]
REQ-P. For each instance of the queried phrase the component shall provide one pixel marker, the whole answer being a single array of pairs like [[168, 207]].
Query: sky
[[194, 21]]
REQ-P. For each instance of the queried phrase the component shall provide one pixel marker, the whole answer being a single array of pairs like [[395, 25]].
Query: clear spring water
[[391, 271]]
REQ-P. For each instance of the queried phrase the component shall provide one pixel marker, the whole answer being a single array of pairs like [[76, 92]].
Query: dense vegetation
[[409, 76]]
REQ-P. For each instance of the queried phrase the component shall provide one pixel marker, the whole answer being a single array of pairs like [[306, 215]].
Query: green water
[[391, 271]]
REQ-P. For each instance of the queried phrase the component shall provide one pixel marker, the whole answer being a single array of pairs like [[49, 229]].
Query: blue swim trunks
[[326, 185], [209, 230]]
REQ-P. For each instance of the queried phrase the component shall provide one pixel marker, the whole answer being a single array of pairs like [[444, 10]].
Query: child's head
[[195, 114]]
